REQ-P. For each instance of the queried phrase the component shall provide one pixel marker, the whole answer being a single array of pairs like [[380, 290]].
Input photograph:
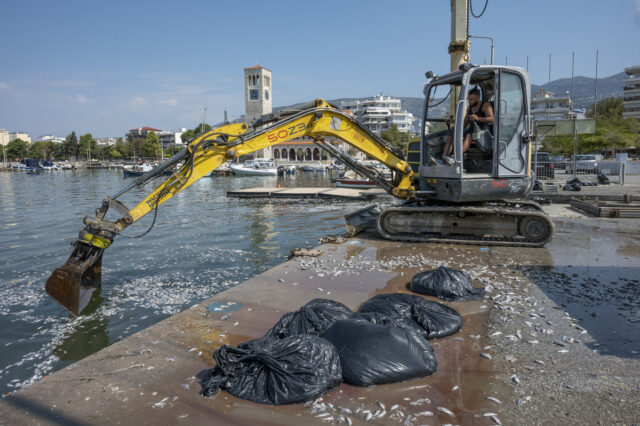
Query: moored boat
[[255, 168], [313, 167], [355, 183], [136, 170]]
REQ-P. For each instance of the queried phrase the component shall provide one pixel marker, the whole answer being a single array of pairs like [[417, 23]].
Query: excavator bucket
[[73, 284]]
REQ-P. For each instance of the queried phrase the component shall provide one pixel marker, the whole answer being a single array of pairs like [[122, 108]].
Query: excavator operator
[[479, 119]]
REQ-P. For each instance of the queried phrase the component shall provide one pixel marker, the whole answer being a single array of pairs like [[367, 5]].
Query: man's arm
[[488, 112]]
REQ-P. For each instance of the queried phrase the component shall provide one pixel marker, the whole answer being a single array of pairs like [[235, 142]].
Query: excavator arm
[[73, 284]]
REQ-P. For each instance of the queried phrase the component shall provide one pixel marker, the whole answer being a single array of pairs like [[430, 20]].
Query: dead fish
[[519, 334], [496, 420], [349, 422], [520, 402], [446, 411], [538, 361], [496, 400], [424, 413], [484, 355], [394, 407], [346, 410], [455, 388], [368, 417], [490, 414], [495, 333], [515, 379], [323, 415], [381, 405], [563, 351]]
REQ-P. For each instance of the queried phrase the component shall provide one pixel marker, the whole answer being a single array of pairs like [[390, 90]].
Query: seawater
[[202, 244]]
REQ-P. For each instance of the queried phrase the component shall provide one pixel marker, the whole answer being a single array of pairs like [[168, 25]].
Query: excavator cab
[[496, 163]]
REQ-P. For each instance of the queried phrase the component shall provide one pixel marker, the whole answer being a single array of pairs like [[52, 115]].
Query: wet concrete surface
[[556, 340]]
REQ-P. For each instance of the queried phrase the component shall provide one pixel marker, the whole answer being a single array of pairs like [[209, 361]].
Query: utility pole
[[595, 96], [549, 80], [573, 57], [527, 63]]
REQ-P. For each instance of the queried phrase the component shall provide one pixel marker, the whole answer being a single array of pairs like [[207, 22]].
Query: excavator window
[[511, 112]]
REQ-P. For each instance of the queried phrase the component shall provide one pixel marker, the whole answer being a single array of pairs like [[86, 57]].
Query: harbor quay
[[554, 341]]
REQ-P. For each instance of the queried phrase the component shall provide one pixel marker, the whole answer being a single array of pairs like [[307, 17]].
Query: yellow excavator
[[475, 197]]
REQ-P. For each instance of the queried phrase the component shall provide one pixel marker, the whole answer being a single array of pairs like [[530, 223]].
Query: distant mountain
[[584, 88], [583, 91]]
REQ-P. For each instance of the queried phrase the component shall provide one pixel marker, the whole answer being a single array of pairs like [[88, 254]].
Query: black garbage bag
[[573, 185], [537, 186], [431, 319], [373, 354], [446, 284], [281, 371], [313, 318], [603, 179]]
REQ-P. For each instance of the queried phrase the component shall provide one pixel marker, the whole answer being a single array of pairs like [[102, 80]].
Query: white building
[[19, 135], [380, 113], [50, 138], [4, 137], [110, 141], [169, 138], [546, 106], [631, 94]]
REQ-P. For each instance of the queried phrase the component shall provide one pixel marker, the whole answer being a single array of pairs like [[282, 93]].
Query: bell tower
[[257, 92], [257, 98]]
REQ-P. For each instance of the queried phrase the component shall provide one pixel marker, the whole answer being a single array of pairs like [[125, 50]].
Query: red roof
[[145, 129]]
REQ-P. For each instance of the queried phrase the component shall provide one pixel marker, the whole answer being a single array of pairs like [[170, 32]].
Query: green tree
[[613, 131], [87, 142], [191, 134], [396, 138], [17, 149], [123, 148], [44, 149], [151, 147], [70, 146], [114, 154]]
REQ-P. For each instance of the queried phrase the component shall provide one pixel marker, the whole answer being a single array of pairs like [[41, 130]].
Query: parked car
[[584, 164], [544, 166], [559, 163]]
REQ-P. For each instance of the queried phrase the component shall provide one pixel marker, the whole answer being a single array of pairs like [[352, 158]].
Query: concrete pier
[[151, 377], [334, 193]]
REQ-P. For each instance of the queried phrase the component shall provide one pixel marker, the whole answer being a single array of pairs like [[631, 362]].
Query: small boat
[[355, 183], [313, 167], [48, 165], [286, 170], [28, 165], [255, 168], [136, 170]]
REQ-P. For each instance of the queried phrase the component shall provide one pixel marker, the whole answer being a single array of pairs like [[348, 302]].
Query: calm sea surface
[[202, 243]]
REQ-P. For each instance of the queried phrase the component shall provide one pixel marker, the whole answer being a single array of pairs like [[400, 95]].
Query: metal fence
[[586, 171]]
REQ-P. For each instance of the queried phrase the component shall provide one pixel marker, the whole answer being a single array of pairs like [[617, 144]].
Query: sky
[[106, 67]]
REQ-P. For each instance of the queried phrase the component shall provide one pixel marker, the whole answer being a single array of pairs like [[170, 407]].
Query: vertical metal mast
[[459, 45]]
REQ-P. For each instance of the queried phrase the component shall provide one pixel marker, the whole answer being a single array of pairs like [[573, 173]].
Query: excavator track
[[496, 223]]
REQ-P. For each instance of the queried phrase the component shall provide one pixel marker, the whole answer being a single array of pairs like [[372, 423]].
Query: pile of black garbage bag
[[576, 184], [312, 350]]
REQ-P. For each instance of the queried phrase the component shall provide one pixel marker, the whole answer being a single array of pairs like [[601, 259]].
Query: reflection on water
[[87, 338], [202, 243]]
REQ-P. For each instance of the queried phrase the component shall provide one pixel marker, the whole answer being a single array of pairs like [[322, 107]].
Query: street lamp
[[486, 38]]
